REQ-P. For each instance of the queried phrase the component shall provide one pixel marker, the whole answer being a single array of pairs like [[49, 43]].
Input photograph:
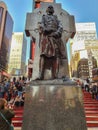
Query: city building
[[85, 32], [6, 29], [83, 68], [17, 63], [93, 46]]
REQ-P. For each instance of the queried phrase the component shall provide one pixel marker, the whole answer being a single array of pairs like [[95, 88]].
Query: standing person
[[51, 44], [7, 113], [97, 91], [94, 91], [86, 86], [2, 90], [87, 80]]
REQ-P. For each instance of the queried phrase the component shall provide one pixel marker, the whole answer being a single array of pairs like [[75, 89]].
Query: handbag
[[11, 126]]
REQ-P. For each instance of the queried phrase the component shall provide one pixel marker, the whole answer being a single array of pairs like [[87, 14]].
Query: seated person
[[18, 101], [7, 113]]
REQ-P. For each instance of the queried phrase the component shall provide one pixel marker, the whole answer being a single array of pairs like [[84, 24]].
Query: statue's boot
[[55, 68], [54, 76], [41, 76]]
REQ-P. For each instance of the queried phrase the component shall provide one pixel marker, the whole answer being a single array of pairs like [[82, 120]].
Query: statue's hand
[[55, 35], [46, 30]]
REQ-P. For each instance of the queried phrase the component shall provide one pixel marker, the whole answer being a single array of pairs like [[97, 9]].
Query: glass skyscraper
[[6, 29]]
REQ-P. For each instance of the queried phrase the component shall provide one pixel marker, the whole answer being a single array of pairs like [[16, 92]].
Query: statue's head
[[50, 9]]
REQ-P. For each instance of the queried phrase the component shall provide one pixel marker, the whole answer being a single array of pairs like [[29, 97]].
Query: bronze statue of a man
[[51, 45]]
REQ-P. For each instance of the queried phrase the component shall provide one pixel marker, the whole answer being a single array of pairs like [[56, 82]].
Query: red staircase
[[91, 110], [90, 106], [17, 120]]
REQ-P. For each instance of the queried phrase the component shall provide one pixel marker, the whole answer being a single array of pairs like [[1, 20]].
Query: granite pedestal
[[53, 105]]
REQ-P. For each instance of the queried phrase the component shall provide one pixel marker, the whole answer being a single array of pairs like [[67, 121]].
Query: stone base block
[[53, 107]]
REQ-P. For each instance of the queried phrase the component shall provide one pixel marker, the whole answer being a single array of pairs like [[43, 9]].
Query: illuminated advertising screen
[[37, 2], [32, 50]]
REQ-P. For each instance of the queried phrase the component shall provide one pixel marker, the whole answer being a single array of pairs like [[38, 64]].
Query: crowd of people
[[13, 91], [12, 94], [91, 87]]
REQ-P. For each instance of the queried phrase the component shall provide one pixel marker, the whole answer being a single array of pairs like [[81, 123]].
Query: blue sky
[[83, 10]]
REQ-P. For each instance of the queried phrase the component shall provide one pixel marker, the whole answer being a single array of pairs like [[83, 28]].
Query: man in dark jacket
[[94, 91], [7, 113]]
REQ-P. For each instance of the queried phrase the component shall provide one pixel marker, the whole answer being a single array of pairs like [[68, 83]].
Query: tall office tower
[[17, 64], [84, 32], [6, 28]]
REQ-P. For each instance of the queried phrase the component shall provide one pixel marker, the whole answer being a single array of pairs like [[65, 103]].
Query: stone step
[[17, 123], [92, 118], [17, 128]]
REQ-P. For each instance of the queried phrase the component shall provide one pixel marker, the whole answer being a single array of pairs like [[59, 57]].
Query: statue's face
[[50, 9]]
